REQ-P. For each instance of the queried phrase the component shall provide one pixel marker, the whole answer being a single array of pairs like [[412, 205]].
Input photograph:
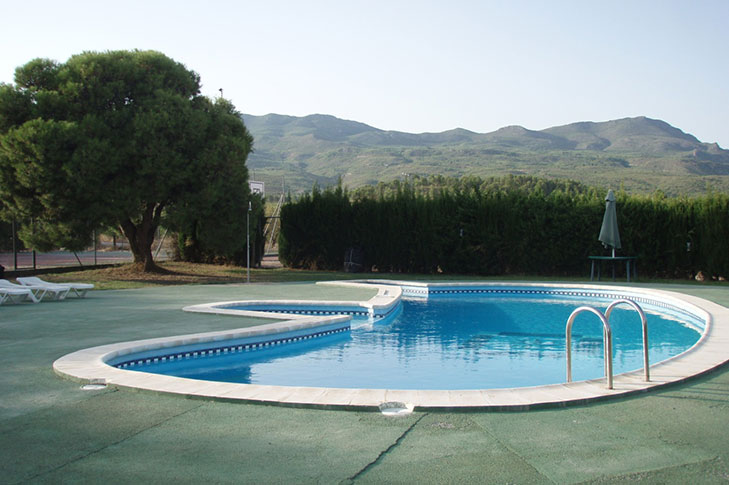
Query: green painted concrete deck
[[51, 431]]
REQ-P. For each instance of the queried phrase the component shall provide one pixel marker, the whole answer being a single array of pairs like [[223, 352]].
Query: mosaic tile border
[[306, 311], [227, 349], [607, 295], [300, 311]]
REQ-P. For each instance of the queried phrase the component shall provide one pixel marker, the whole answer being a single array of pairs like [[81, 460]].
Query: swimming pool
[[318, 333], [452, 341]]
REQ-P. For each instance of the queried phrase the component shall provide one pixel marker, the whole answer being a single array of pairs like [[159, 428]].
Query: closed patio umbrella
[[609, 234]]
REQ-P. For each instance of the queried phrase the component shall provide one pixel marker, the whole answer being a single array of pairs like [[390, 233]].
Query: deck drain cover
[[394, 408], [94, 385]]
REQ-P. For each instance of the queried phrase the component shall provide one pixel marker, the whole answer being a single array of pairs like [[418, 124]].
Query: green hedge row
[[503, 232]]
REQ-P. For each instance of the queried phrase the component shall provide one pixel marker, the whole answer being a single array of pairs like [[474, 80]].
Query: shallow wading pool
[[498, 346]]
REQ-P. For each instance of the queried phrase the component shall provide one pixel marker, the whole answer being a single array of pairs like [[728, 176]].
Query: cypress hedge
[[503, 231]]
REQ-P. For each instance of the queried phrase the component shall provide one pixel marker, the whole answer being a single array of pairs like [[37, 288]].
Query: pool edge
[[89, 366]]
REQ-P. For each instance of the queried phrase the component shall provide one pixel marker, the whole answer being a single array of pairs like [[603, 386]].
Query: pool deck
[[52, 431], [90, 365]]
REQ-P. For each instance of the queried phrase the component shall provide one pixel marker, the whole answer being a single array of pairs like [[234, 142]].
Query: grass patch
[[181, 273]]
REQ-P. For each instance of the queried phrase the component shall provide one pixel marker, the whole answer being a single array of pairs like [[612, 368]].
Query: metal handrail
[[607, 342], [644, 322]]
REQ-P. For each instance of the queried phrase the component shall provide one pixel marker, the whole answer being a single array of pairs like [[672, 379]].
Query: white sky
[[417, 66]]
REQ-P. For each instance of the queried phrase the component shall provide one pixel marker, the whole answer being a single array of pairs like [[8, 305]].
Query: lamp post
[[15, 249], [248, 242]]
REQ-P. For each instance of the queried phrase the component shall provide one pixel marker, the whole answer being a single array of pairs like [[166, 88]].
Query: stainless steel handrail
[[643, 321], [607, 342]]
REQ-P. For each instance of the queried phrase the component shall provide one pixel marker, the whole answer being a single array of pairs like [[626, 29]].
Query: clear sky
[[417, 66]]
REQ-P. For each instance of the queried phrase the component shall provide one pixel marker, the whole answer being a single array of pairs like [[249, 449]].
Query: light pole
[[248, 242], [15, 248]]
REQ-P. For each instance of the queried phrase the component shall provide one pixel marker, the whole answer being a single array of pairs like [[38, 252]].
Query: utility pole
[[248, 242]]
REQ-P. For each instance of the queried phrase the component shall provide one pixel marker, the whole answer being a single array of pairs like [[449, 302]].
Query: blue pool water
[[460, 342]]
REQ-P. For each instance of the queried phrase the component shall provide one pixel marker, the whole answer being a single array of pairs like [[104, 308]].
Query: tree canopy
[[117, 139]]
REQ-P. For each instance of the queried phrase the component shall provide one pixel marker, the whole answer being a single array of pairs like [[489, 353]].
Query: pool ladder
[[607, 336]]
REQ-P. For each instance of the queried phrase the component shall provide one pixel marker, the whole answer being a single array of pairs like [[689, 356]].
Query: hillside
[[641, 154]]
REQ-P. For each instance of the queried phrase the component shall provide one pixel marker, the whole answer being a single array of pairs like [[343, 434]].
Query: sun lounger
[[16, 295], [39, 291], [79, 289]]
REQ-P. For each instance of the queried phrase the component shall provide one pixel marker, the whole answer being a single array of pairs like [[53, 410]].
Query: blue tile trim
[[574, 293], [301, 311], [229, 349], [314, 310]]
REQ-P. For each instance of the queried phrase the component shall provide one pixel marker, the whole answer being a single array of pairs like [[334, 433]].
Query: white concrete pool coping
[[89, 366]]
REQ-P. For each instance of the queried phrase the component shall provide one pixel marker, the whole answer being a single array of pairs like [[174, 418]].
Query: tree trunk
[[141, 237]]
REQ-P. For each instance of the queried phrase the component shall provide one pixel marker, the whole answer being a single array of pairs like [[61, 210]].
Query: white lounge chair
[[79, 289], [16, 295], [39, 291]]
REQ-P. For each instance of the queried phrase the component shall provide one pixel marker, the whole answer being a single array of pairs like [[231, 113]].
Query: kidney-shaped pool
[[423, 342], [459, 341]]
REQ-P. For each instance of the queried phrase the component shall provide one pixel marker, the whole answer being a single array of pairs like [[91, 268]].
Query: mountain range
[[640, 154]]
